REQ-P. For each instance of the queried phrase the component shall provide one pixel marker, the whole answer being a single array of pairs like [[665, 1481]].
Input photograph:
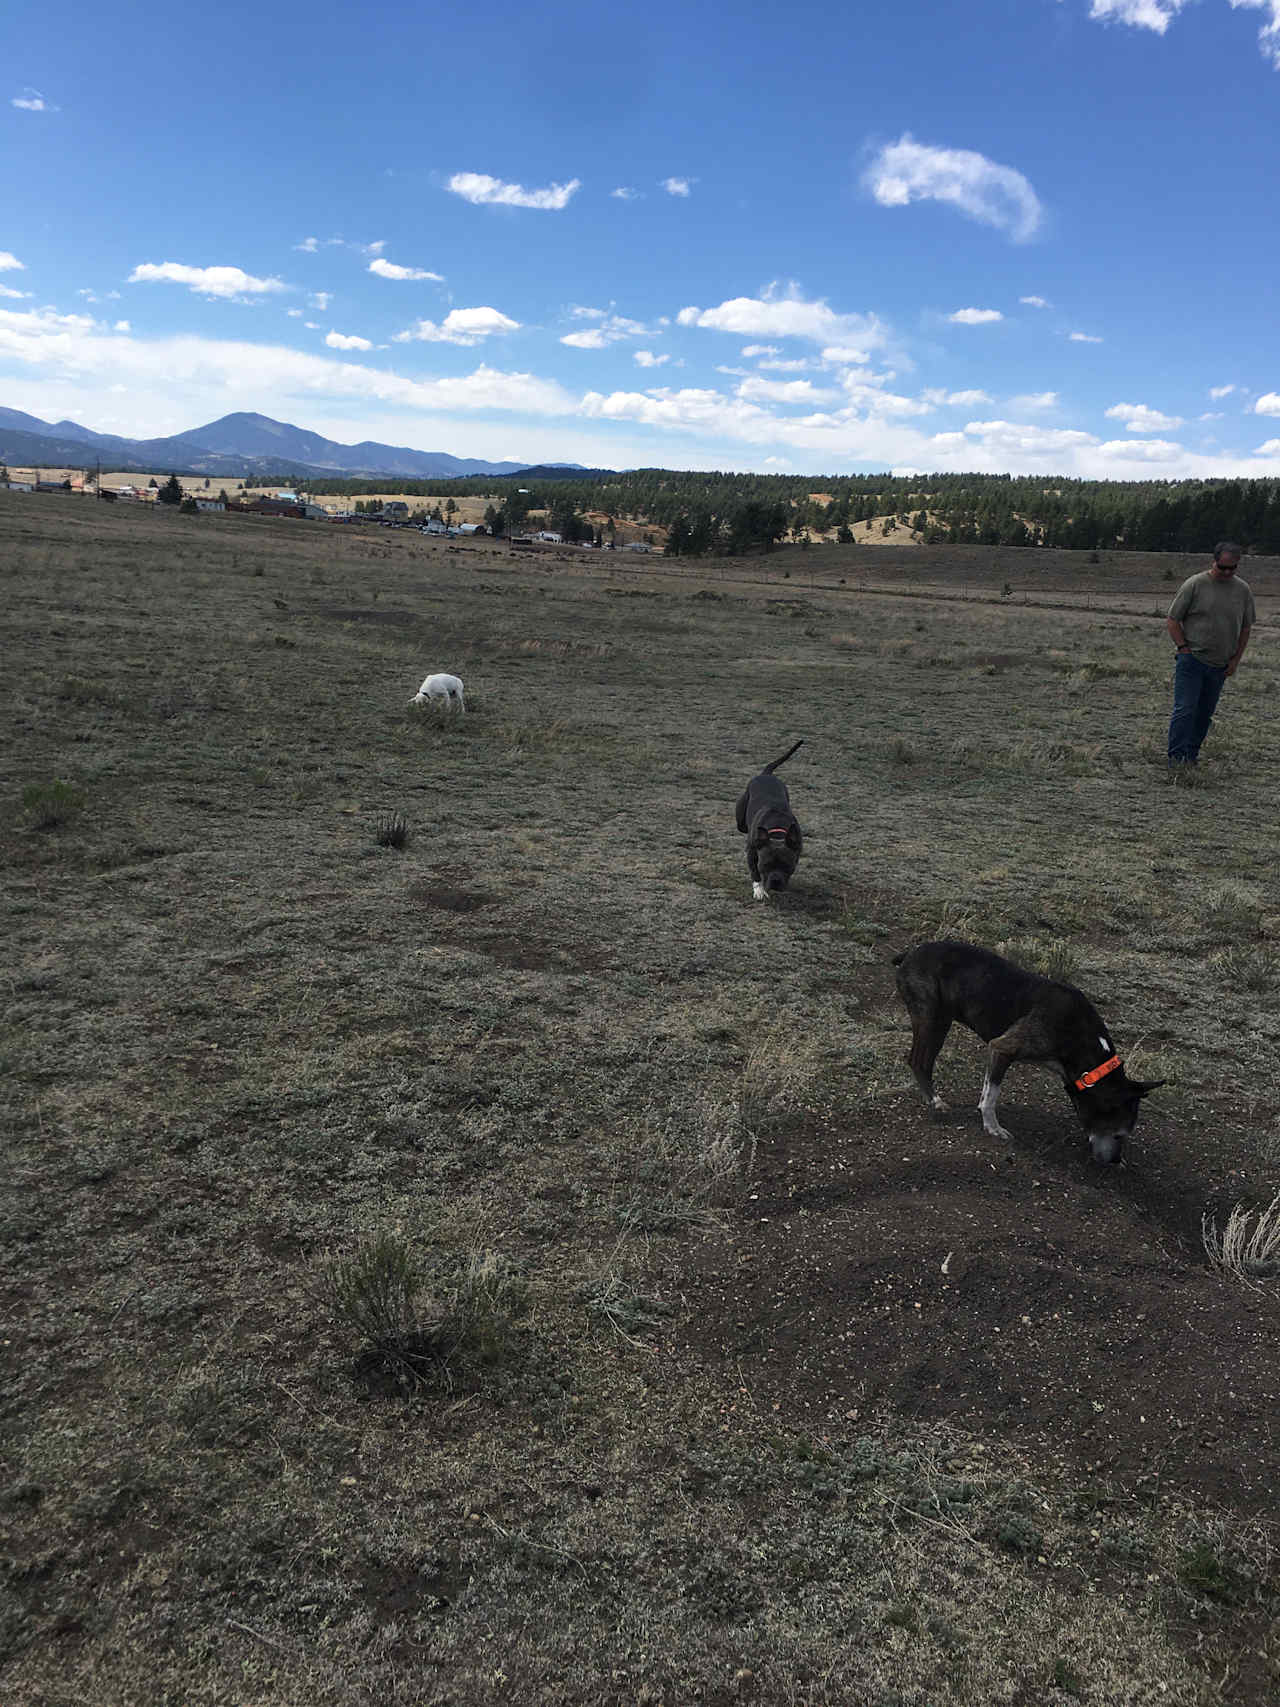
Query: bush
[[418, 1320], [50, 805], [393, 832]]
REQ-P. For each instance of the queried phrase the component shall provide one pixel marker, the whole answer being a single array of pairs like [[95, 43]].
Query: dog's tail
[[769, 769]]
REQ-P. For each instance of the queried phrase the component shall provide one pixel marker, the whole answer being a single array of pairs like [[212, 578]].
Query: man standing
[[1209, 622]]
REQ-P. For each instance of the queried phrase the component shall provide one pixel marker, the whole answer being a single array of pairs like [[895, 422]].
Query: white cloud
[[1083, 338], [1210, 415], [1139, 419], [908, 171], [1033, 302], [311, 325], [32, 101], [1009, 438], [389, 270], [10, 263], [294, 313], [16, 295], [1270, 448], [646, 358], [459, 326], [1157, 15], [122, 326], [778, 365], [1035, 400], [841, 356], [1142, 14], [206, 281], [308, 246], [340, 341], [1219, 391], [610, 329], [479, 188], [975, 316], [319, 299], [750, 350], [757, 390], [71, 354], [1139, 450], [869, 397], [1268, 404], [375, 248], [936, 397], [624, 194], [1269, 34], [780, 314], [677, 186]]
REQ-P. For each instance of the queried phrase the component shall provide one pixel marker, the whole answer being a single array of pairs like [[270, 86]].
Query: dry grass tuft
[[1248, 1253], [1052, 957]]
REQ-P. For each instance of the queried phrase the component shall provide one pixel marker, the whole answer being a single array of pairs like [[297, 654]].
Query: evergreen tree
[[170, 492]]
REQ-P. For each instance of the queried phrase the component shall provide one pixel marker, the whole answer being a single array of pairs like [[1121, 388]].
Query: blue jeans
[[1196, 688]]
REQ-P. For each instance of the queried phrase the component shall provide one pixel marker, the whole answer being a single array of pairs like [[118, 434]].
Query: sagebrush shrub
[[50, 805]]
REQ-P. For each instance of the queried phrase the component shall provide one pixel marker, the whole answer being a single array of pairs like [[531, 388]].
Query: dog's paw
[[993, 1129], [758, 892], [939, 1105]]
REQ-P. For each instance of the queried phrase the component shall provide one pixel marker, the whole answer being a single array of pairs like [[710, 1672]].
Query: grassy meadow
[[455, 1247]]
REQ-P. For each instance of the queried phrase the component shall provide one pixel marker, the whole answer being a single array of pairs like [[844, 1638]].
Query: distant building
[[396, 511], [435, 527], [548, 537], [473, 527], [211, 504]]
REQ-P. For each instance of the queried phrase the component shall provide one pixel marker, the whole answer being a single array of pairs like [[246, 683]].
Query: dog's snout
[[776, 880], [1106, 1150]]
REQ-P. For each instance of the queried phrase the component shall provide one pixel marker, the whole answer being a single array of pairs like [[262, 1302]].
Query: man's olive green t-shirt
[[1212, 613]]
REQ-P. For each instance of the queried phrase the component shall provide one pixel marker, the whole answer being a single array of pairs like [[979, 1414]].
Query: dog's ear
[[793, 838], [1144, 1087]]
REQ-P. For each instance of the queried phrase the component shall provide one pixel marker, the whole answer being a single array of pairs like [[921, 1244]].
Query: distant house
[[548, 537], [473, 527], [636, 545], [396, 511], [20, 486], [435, 527], [211, 504], [316, 512]]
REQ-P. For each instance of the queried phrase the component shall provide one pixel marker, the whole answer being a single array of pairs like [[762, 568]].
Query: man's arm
[[1177, 635], [1239, 651]]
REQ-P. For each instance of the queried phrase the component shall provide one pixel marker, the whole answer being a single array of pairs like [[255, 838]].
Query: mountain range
[[240, 444]]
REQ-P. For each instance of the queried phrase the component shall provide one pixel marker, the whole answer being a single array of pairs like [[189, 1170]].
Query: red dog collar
[[1086, 1079], [777, 832]]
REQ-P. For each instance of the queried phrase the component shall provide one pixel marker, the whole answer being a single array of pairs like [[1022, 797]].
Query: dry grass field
[[511, 1265]]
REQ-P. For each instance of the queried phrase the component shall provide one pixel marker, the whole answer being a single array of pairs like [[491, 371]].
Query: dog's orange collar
[[1086, 1079]]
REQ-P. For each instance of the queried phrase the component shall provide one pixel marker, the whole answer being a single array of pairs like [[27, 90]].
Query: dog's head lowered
[[778, 853], [1108, 1111]]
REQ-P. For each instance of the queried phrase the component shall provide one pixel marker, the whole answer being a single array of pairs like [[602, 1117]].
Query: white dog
[[447, 688]]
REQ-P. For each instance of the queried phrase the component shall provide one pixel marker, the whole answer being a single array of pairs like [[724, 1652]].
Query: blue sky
[[1005, 235]]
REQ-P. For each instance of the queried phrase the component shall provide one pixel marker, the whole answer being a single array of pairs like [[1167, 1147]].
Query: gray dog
[[1024, 1017], [773, 836]]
